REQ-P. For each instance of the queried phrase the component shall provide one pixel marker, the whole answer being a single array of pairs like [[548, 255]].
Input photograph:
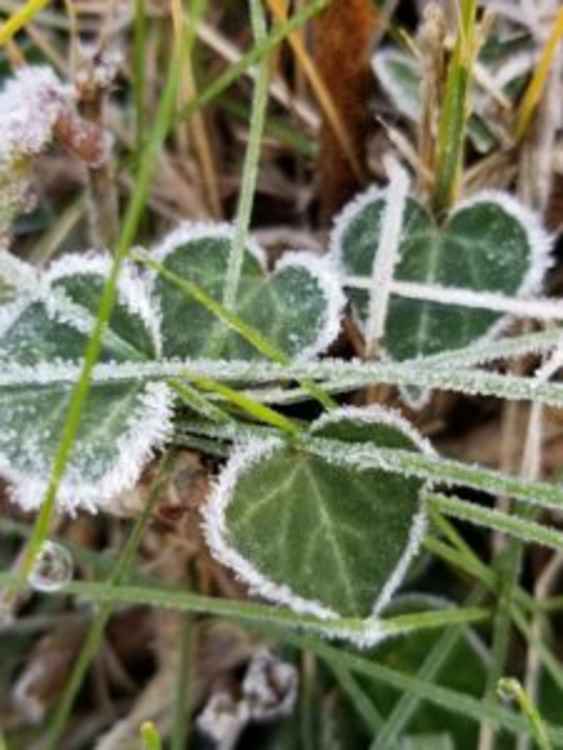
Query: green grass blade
[[511, 688], [518, 527], [253, 56], [20, 18], [182, 708], [450, 700], [233, 321], [364, 706], [82, 387], [256, 410], [447, 471], [453, 117], [196, 401], [251, 612], [405, 708], [251, 159], [95, 634]]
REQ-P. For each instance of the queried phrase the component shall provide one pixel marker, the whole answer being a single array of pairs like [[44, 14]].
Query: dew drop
[[53, 568]]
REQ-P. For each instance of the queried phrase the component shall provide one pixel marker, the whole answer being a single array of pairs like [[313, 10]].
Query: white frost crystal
[[30, 105]]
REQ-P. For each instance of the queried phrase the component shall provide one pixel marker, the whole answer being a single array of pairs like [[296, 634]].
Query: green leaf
[[297, 307], [47, 329], [399, 75], [134, 329], [489, 243], [325, 539]]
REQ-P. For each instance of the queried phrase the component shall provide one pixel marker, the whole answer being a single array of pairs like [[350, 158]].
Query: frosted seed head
[[97, 71], [52, 569], [223, 719], [87, 141], [30, 105], [269, 687]]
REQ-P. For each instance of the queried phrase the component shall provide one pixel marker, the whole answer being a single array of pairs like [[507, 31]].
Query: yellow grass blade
[[535, 87], [19, 19], [278, 8]]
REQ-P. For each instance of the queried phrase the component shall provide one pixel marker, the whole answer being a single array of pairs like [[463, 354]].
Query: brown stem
[[344, 36]]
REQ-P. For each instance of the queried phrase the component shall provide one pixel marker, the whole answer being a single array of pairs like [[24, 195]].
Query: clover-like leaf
[[322, 537], [297, 307], [121, 422], [399, 75], [490, 243]]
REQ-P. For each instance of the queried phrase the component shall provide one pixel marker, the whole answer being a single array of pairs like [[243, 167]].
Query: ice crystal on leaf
[[323, 536], [128, 412]]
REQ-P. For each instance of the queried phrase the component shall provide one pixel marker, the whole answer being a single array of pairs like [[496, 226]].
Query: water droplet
[[53, 568]]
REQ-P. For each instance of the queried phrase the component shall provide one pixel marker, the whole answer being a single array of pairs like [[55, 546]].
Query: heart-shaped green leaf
[[44, 332], [489, 244], [121, 422], [324, 538], [297, 307]]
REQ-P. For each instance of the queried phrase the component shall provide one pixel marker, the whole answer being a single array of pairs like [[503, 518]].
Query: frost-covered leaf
[[488, 244], [120, 423], [399, 75], [134, 329], [297, 307], [323, 538]]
